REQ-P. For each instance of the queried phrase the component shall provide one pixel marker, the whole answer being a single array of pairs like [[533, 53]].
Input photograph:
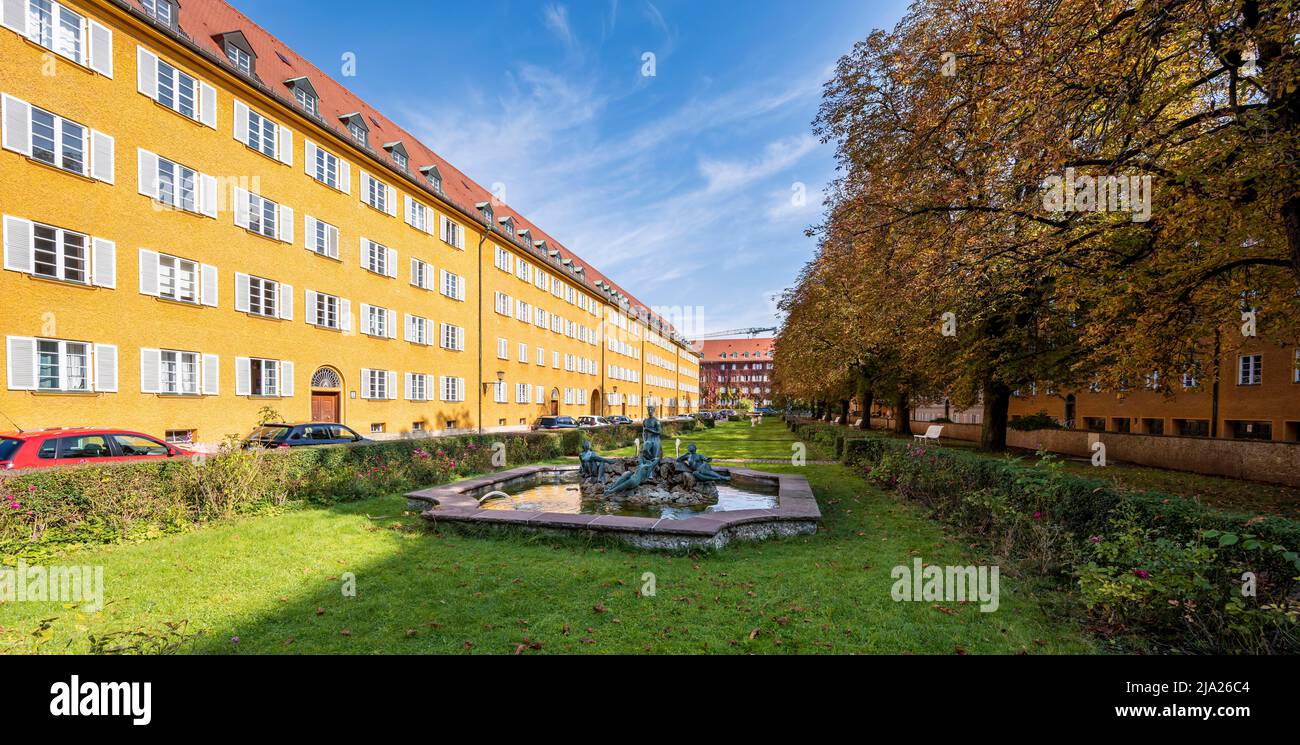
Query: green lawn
[[274, 583]]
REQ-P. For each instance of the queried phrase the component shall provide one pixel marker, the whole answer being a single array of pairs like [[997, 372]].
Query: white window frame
[[1250, 369]]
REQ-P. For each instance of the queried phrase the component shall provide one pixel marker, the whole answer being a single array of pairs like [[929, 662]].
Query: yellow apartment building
[[201, 228]]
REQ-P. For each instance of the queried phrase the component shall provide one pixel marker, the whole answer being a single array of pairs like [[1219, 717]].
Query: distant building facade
[[734, 370]]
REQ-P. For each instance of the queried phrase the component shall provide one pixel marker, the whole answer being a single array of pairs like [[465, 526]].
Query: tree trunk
[[997, 400], [902, 415], [1214, 387], [866, 399], [1291, 223], [844, 412]]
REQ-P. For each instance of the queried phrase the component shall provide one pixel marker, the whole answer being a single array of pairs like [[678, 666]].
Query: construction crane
[[752, 331]]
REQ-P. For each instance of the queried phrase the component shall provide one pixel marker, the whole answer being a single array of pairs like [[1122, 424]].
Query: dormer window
[[161, 11], [357, 129], [398, 153], [486, 209], [523, 235], [238, 51], [305, 94], [433, 176], [540, 246], [508, 225]]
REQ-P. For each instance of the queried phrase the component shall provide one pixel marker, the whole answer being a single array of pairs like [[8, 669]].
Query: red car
[[77, 445]]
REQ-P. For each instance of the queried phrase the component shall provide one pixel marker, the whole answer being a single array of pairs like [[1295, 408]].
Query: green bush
[[1157, 566], [1041, 420]]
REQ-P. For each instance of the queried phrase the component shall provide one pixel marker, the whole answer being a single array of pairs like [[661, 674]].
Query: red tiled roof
[[713, 349], [204, 20]]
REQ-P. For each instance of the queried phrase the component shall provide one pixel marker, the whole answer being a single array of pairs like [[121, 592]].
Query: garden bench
[[931, 433]]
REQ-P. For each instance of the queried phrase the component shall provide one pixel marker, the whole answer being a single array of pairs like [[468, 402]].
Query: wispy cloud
[[556, 18]]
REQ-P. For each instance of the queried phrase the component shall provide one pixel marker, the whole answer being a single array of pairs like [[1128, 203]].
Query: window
[[378, 258], [421, 274], [453, 285], [178, 279], [1247, 430], [522, 312], [541, 356], [57, 28], [178, 373], [377, 194], [401, 160], [503, 349], [499, 392], [452, 233], [177, 91], [264, 377], [1250, 370], [503, 304], [453, 337], [179, 436], [58, 142], [377, 384], [417, 215], [263, 297], [326, 167], [1295, 372], [322, 237], [453, 389], [62, 365], [328, 311], [263, 215], [503, 260], [377, 321], [417, 329], [359, 133], [59, 254], [521, 393], [242, 60], [177, 185], [262, 134], [523, 352], [306, 99], [417, 387], [160, 10]]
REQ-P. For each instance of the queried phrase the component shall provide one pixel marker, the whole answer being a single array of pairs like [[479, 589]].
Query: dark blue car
[[556, 422], [300, 435]]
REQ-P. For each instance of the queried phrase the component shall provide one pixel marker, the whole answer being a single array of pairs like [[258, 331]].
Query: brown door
[[324, 407], [555, 407]]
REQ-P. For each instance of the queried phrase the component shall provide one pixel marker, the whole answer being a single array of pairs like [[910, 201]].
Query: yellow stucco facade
[[571, 367]]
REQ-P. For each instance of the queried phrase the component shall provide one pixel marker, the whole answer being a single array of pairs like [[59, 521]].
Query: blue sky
[[680, 185]]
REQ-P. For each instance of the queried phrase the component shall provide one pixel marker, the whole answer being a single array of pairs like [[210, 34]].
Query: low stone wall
[[1273, 462]]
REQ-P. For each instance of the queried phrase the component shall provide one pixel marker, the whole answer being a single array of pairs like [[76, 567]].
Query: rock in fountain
[[649, 478]]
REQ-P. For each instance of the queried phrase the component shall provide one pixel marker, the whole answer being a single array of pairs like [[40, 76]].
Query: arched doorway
[[1069, 411], [596, 401], [555, 401], [326, 395]]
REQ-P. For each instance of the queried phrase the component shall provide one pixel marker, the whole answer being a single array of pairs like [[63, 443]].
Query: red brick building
[[733, 370]]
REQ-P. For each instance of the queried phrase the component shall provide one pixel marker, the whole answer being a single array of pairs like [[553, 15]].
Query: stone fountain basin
[[796, 512]]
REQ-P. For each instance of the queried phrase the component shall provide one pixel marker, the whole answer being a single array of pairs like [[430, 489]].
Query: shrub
[[1146, 563], [46, 510], [1041, 420]]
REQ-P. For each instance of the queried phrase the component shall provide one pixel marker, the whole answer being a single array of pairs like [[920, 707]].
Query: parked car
[[283, 435], [76, 445], [619, 419], [704, 415], [555, 422], [766, 411], [587, 420]]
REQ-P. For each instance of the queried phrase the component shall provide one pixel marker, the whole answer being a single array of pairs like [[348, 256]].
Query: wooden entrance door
[[324, 407]]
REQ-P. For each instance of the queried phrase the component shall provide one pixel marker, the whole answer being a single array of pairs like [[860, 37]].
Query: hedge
[[43, 511], [1148, 565]]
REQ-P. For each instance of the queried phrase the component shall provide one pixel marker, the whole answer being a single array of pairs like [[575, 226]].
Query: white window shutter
[[17, 125], [241, 121], [146, 66], [392, 262], [240, 198], [13, 15], [442, 230], [392, 323], [311, 308], [366, 326], [103, 263], [284, 148], [391, 202], [363, 185], [332, 241], [345, 315], [208, 274], [309, 232], [150, 370], [286, 379], [460, 288], [286, 223], [21, 358], [460, 339], [147, 173], [363, 255], [241, 292], [208, 195], [101, 49], [101, 156], [392, 385], [106, 368], [409, 392], [211, 375], [286, 302], [243, 376], [18, 238], [309, 157], [148, 272], [345, 176], [207, 105]]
